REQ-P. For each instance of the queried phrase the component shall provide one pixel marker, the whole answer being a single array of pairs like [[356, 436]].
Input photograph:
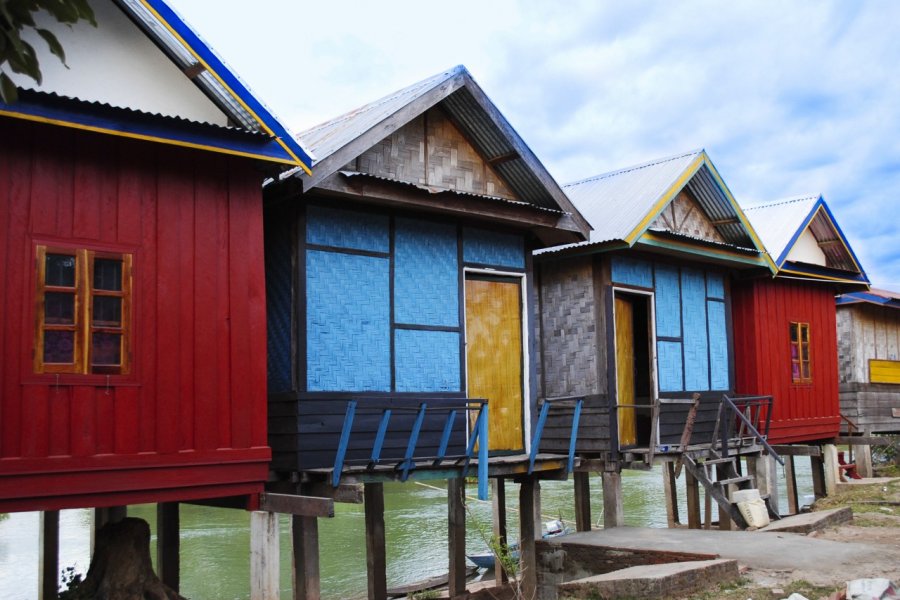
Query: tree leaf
[[55, 47], [8, 91]]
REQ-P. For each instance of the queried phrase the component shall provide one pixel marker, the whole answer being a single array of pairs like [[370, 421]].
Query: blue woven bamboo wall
[[690, 312], [348, 322], [279, 282], [426, 274], [493, 248], [347, 229], [427, 361]]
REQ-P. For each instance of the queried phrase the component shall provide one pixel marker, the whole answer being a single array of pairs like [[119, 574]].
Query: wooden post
[[670, 487], [264, 556], [305, 559], [102, 516], [538, 518], [864, 461], [456, 535], [725, 523], [707, 510], [527, 558], [693, 500], [832, 476], [582, 482], [613, 515], [48, 548], [817, 469], [499, 525], [168, 544], [376, 565], [790, 476]]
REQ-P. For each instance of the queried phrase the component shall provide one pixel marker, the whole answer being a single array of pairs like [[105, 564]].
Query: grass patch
[[743, 589], [864, 498]]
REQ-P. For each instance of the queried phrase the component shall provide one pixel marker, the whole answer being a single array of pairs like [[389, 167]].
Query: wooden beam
[[168, 544], [48, 549], [503, 158], [613, 515], [456, 535], [301, 506], [817, 469], [865, 440], [582, 483], [264, 555], [792, 450], [790, 478], [527, 531], [725, 522], [498, 502], [693, 500], [305, 558], [670, 488], [729, 221], [376, 565], [344, 493], [192, 71]]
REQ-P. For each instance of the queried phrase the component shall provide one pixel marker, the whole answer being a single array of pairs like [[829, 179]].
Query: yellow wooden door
[[625, 371], [494, 356]]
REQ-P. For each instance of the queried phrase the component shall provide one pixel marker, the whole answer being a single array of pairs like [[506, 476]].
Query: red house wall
[[189, 420], [762, 313]]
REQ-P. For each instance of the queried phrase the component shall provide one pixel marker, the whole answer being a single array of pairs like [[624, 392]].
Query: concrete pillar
[[864, 461], [264, 556], [764, 470], [613, 515], [832, 475]]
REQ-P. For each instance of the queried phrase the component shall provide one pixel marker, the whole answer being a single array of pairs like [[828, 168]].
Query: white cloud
[[788, 98]]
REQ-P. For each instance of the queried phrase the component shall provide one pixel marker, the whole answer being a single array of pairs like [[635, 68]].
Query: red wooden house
[[132, 310], [785, 326]]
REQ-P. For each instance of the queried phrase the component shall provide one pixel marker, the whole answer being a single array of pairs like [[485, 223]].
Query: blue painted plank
[[343, 444]]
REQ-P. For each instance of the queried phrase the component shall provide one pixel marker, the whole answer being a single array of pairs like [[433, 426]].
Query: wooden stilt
[[305, 559], [612, 499], [498, 499], [670, 487], [692, 493], [48, 571], [168, 544], [582, 482], [376, 565], [817, 469], [790, 475], [538, 512], [456, 508], [264, 556], [707, 510], [725, 523], [527, 557]]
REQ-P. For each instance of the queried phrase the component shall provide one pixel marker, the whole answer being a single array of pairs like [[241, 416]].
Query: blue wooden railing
[[407, 464], [542, 420]]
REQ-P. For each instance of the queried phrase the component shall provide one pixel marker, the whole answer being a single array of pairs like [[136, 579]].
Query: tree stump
[[121, 568]]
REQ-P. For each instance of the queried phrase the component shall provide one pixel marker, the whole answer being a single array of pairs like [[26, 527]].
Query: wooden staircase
[[719, 477]]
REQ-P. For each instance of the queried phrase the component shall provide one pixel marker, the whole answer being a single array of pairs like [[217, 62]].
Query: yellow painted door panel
[[494, 356], [625, 371]]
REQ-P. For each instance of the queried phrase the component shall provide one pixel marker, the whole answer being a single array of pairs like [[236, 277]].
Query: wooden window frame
[[83, 326], [800, 353]]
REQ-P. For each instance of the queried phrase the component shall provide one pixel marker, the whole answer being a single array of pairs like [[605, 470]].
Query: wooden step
[[738, 479], [717, 461]]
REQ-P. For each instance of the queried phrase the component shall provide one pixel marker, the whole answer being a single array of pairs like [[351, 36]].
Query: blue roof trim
[[143, 126], [820, 203], [854, 297], [266, 119], [824, 272]]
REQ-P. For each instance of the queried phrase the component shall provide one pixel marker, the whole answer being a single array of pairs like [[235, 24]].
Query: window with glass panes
[[800, 372], [83, 311]]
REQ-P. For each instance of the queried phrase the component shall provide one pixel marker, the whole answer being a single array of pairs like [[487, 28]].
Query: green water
[[215, 542]]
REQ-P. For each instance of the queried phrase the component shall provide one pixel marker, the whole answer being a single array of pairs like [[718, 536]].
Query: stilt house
[[132, 310], [399, 280], [868, 324], [638, 319], [786, 325]]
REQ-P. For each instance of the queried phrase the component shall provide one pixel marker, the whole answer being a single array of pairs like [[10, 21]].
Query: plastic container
[[752, 507]]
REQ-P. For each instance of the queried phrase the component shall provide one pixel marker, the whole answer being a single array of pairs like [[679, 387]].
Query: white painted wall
[[117, 64], [807, 250]]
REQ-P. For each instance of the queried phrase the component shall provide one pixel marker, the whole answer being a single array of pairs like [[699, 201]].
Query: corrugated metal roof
[[622, 204], [615, 203], [874, 296], [781, 223]]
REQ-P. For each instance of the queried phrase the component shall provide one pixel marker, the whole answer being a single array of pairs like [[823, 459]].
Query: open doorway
[[634, 368]]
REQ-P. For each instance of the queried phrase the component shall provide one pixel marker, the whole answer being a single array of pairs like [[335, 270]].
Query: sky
[[788, 99]]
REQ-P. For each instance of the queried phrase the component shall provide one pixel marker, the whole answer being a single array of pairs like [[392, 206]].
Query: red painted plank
[[35, 421], [185, 309], [46, 188], [146, 306], [223, 321], [88, 184], [131, 177], [60, 401], [83, 423], [127, 420], [105, 419]]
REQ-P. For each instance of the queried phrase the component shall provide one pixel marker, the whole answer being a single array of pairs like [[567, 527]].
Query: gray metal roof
[[339, 140], [621, 205], [781, 223]]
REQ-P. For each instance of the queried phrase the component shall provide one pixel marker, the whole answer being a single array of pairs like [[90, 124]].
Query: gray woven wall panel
[[569, 356]]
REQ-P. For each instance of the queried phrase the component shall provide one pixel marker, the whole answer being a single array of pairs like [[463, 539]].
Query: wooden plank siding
[[189, 419], [763, 311]]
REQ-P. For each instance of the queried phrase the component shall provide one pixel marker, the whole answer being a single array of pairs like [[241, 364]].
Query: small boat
[[485, 560]]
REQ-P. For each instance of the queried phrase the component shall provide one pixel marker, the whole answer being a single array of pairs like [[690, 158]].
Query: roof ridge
[[634, 167], [433, 80], [783, 201]]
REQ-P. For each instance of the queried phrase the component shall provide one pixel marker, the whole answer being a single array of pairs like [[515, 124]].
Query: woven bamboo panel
[[279, 283], [485, 247], [569, 345], [684, 215], [427, 361], [399, 156], [426, 273]]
